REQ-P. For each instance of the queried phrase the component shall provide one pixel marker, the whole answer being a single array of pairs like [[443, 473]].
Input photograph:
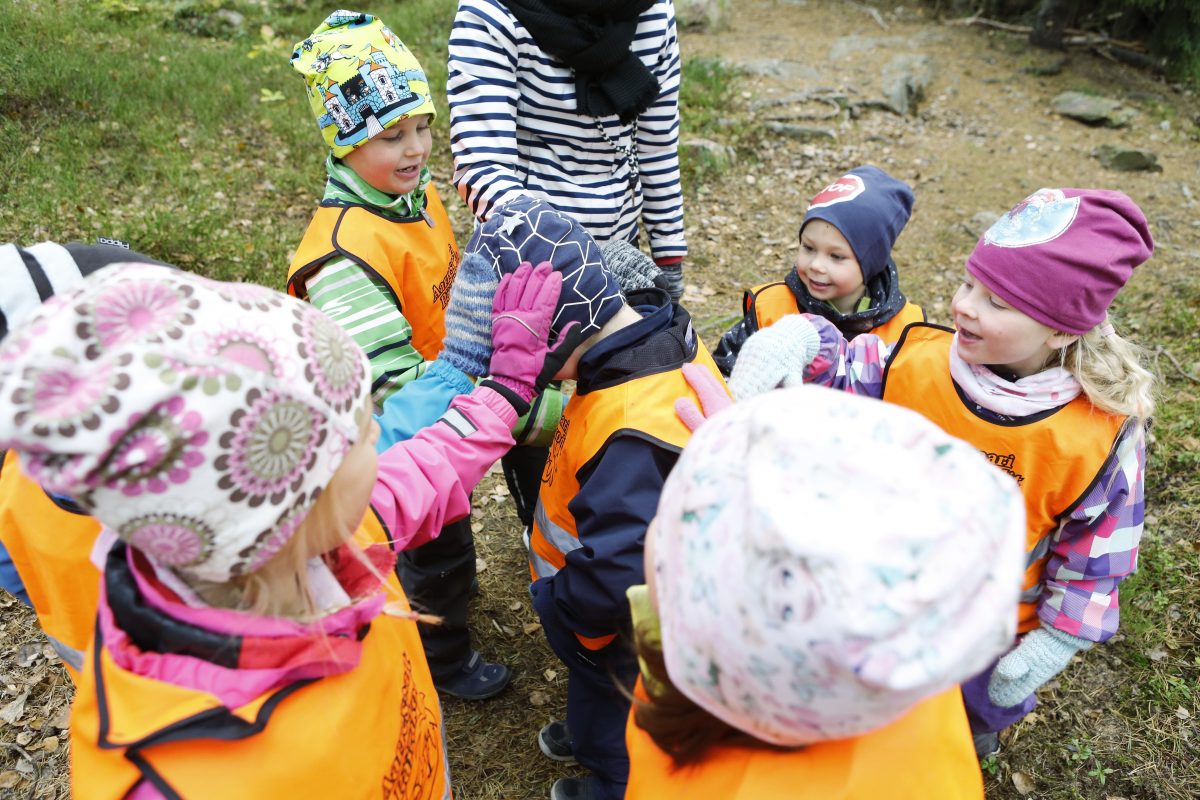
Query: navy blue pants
[[596, 708], [437, 578]]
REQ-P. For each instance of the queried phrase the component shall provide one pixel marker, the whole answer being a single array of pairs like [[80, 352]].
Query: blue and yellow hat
[[361, 79]]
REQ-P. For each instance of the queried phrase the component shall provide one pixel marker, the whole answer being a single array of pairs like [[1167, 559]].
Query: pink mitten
[[714, 397], [523, 362]]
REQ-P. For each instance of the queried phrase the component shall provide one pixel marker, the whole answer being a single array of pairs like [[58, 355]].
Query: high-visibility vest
[[51, 548], [416, 257], [1055, 459], [772, 301], [645, 406], [927, 754], [371, 732]]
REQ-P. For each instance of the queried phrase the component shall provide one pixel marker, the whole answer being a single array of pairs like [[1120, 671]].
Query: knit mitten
[[468, 342], [633, 269], [1042, 654], [775, 357]]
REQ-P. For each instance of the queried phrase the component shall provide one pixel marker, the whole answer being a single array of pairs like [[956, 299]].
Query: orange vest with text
[[772, 301], [371, 732], [416, 257], [51, 548], [1055, 459], [927, 754]]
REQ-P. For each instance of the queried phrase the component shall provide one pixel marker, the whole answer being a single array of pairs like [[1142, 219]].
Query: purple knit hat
[[1061, 255]]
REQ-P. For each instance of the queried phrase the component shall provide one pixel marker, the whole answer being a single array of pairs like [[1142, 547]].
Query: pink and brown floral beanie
[[197, 420]]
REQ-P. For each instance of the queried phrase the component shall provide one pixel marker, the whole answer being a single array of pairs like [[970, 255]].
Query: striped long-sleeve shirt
[[1095, 547], [514, 130]]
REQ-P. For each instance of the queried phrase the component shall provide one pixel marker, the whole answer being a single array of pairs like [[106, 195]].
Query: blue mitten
[[468, 342], [1042, 654], [775, 357]]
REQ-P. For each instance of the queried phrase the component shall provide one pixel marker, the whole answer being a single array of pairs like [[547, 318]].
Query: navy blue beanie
[[529, 229], [870, 208]]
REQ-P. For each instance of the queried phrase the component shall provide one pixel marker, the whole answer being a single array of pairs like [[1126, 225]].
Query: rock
[[848, 45], [782, 68], [701, 15], [801, 132], [1092, 109], [1126, 159], [980, 221], [905, 79], [715, 154]]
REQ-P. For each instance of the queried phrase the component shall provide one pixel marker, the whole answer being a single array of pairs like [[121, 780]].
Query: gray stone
[[905, 79], [801, 132], [1126, 159], [980, 221], [848, 45], [781, 68], [715, 154], [1092, 109], [702, 15]]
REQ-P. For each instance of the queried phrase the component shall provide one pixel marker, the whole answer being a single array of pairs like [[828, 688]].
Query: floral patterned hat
[[825, 561], [197, 420]]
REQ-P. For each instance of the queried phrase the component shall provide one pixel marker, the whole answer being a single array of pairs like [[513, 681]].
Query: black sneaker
[[477, 680], [573, 789], [555, 741], [986, 744]]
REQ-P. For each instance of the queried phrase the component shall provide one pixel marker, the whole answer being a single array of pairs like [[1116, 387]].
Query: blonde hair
[[1110, 371]]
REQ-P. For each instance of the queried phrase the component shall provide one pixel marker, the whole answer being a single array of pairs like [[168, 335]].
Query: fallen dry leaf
[[550, 674], [480, 565], [13, 711], [61, 718], [1023, 783], [50, 744], [476, 527], [515, 605], [530, 627], [538, 698], [9, 778], [1182, 712]]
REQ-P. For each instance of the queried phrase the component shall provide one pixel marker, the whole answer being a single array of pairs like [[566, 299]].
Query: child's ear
[[1059, 340]]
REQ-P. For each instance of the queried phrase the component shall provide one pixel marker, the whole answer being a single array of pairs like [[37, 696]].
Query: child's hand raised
[[523, 360], [775, 357], [711, 391]]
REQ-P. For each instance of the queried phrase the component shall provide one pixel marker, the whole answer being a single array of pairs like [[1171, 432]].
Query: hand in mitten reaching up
[[775, 357], [633, 269], [468, 342], [523, 360]]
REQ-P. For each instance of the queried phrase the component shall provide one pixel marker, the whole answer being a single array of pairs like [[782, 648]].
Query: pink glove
[[714, 397], [523, 362]]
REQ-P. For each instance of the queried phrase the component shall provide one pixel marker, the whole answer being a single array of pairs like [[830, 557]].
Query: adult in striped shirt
[[578, 104]]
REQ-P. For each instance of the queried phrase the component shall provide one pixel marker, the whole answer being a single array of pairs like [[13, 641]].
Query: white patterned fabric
[[197, 420], [824, 561], [529, 229]]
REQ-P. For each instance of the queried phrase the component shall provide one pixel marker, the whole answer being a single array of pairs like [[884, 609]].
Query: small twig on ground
[[874, 12], [1075, 37], [1162, 351], [23, 753]]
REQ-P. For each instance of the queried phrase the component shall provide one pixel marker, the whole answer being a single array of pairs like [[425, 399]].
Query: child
[[1037, 378], [844, 269], [783, 659], [51, 573], [379, 258], [614, 447], [222, 435]]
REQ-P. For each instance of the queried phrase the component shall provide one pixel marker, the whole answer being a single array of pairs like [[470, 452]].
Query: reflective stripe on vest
[[642, 407], [51, 549], [772, 301], [927, 754], [418, 258], [372, 732], [1055, 459]]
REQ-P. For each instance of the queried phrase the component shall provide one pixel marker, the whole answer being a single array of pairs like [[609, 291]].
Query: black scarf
[[592, 37], [886, 302]]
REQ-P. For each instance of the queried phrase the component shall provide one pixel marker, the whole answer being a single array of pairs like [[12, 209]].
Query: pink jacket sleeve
[[425, 482]]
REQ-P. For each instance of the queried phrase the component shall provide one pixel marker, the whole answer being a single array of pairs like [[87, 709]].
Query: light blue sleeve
[[420, 403]]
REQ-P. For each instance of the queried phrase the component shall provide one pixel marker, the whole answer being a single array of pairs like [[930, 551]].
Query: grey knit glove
[[673, 276], [1042, 654], [468, 342], [775, 357], [633, 269]]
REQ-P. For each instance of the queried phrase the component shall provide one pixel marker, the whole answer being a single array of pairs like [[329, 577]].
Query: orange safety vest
[[1055, 459], [51, 548], [772, 301], [927, 754], [644, 406], [371, 732], [416, 257]]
